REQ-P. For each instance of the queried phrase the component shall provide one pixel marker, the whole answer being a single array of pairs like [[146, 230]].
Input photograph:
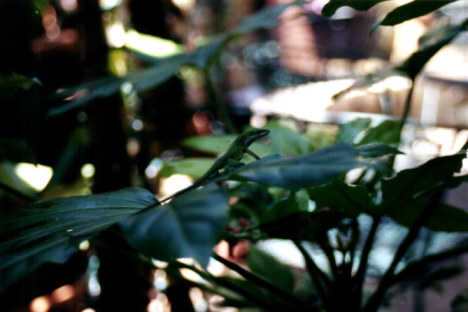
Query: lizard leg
[[252, 154]]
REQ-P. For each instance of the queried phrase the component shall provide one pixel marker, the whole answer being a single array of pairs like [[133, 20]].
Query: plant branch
[[358, 280], [225, 283], [263, 283], [325, 246], [388, 278], [220, 107], [407, 107], [317, 275]]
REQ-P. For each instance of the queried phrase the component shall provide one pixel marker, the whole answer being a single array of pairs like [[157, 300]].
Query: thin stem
[[325, 246], [318, 277], [407, 108], [259, 301], [263, 283], [388, 278], [358, 280], [220, 107]]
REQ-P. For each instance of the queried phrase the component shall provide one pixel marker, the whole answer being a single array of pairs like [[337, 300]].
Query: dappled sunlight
[[37, 176]]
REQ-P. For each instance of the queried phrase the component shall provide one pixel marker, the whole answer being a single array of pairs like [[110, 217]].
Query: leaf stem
[[220, 107], [263, 283], [318, 277], [358, 280], [388, 278]]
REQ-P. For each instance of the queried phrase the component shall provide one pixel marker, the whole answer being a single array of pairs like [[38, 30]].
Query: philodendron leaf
[[188, 226], [50, 231], [410, 10], [167, 67], [408, 184], [349, 130], [218, 144], [11, 83], [387, 132], [194, 167], [416, 62], [302, 225], [266, 266], [333, 5], [445, 218], [304, 171], [339, 196]]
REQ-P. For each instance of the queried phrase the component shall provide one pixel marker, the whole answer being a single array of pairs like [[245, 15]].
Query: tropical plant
[[296, 192]]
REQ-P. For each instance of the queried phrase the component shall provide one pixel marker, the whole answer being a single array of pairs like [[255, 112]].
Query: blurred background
[[111, 140]]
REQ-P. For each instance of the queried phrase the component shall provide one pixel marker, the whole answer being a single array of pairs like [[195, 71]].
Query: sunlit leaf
[[349, 130], [194, 167], [387, 132], [188, 226], [286, 141], [50, 231], [218, 144]]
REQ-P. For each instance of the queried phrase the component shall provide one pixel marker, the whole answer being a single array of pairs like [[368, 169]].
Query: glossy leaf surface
[[186, 227], [50, 231]]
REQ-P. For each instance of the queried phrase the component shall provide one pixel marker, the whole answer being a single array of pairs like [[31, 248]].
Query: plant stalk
[[219, 105], [388, 278], [264, 284], [318, 277], [359, 278]]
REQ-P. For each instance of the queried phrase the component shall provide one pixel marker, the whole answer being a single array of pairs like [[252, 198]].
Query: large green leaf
[[194, 167], [339, 196], [387, 132], [445, 218], [104, 87], [188, 226], [164, 68], [411, 10], [50, 231], [218, 144], [362, 5], [416, 62], [413, 65], [409, 184], [304, 171], [286, 141], [302, 225], [266, 266], [349, 130]]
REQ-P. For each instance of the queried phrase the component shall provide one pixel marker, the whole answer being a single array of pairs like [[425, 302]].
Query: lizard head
[[253, 135]]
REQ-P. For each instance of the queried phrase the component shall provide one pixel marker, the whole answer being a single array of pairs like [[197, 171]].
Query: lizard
[[228, 160]]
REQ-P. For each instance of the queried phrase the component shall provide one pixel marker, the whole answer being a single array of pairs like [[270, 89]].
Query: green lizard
[[229, 160]]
